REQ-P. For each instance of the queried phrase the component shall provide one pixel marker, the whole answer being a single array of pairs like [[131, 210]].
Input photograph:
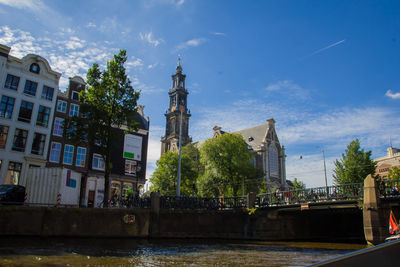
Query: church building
[[269, 155], [177, 116]]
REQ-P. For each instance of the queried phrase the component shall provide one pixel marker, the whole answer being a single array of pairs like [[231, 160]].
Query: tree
[[165, 177], [108, 102], [227, 160], [298, 185], [354, 166], [394, 173]]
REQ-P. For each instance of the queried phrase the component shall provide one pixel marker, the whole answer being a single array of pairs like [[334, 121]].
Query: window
[[3, 135], [98, 162], [30, 88], [13, 173], [19, 140], [75, 95], [73, 110], [6, 106], [43, 116], [62, 106], [80, 157], [12, 82], [25, 111], [47, 93], [55, 151], [34, 68], [38, 144], [273, 160], [130, 167], [58, 127], [68, 154]]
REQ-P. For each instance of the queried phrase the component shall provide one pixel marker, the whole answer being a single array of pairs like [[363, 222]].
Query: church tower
[[176, 114]]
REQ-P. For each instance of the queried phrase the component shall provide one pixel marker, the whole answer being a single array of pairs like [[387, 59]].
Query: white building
[[28, 93]]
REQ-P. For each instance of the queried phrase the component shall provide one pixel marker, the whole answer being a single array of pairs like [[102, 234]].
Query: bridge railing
[[184, 202], [387, 188], [132, 202], [318, 194]]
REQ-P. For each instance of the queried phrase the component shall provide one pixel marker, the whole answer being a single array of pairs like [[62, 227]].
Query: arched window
[[34, 68], [273, 160]]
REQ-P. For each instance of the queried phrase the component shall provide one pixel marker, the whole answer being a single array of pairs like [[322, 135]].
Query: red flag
[[393, 226]]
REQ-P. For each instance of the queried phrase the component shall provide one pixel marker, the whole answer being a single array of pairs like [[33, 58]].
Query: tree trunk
[[106, 198]]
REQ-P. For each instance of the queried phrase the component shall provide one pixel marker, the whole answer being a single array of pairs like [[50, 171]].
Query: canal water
[[177, 252]]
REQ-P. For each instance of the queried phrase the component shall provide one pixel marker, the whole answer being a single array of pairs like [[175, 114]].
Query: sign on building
[[132, 147]]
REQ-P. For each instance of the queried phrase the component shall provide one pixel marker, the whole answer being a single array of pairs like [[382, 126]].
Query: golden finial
[[179, 67]]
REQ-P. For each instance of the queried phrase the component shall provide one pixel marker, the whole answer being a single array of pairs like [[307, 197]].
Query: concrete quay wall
[[328, 224], [73, 222]]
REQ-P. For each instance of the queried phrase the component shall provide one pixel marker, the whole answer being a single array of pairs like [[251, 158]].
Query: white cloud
[[180, 2], [392, 95], [109, 25], [80, 56], [135, 63], [91, 25], [288, 88], [305, 132], [310, 168], [33, 5], [218, 33], [191, 43], [144, 88], [148, 37], [152, 66]]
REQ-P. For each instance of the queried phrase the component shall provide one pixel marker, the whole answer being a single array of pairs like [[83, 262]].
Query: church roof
[[254, 136]]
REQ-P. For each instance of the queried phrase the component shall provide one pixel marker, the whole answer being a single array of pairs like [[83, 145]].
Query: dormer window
[[34, 68]]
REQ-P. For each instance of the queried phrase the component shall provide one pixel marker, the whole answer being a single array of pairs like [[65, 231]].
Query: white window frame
[[63, 105], [59, 155], [69, 152], [99, 158], [79, 155], [74, 93], [58, 127], [73, 110]]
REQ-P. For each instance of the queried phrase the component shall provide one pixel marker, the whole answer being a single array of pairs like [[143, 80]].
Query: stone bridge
[[348, 213]]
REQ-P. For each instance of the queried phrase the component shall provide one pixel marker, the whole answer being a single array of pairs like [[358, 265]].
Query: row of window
[[30, 88], [80, 159], [68, 156], [19, 141], [25, 111], [62, 107]]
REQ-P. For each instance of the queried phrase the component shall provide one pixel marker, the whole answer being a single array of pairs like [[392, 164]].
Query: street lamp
[[326, 180]]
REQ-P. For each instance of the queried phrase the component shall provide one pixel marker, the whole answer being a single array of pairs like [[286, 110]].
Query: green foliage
[[298, 185], [165, 177], [108, 102], [394, 173], [354, 166], [227, 161]]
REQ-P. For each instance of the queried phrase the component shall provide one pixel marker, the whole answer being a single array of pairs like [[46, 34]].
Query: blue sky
[[326, 71]]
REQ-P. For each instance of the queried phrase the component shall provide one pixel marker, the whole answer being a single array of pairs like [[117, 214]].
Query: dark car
[[12, 194]]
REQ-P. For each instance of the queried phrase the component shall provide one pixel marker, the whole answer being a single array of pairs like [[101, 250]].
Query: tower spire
[[179, 67]]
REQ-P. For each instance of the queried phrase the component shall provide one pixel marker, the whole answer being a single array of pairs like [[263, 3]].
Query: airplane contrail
[[325, 48]]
